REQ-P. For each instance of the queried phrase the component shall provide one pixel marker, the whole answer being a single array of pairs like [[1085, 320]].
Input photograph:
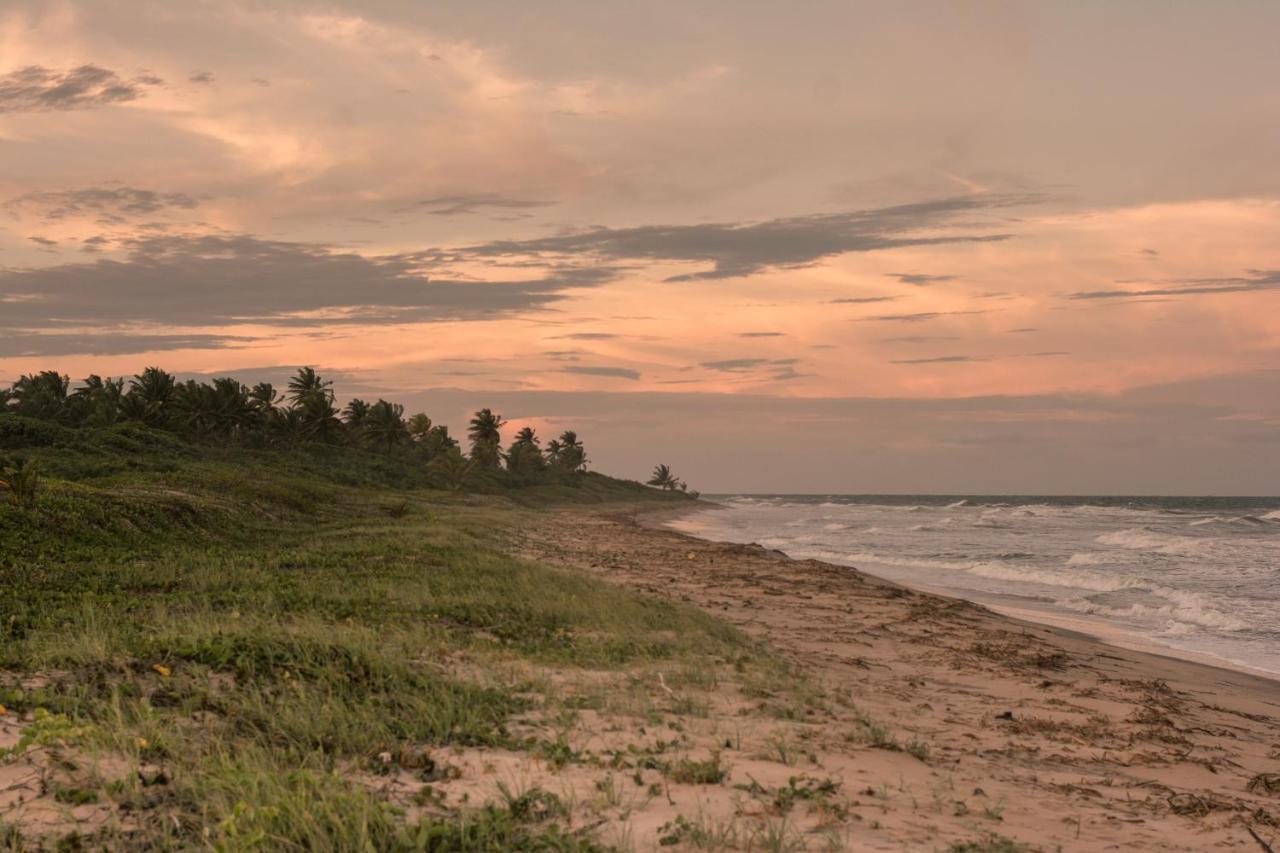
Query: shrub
[[21, 484]]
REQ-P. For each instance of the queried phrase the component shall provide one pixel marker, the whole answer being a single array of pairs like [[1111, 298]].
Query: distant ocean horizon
[[1192, 576]]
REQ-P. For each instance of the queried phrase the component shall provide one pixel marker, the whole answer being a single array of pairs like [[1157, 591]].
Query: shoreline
[[1039, 733], [1098, 631]]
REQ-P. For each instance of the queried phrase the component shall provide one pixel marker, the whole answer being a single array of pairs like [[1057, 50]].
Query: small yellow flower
[[164, 671], [142, 743], [3, 710]]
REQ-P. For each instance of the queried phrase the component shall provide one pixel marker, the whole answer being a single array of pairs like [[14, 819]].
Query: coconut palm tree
[[355, 413], [385, 426], [452, 470], [306, 385], [41, 395], [485, 432], [572, 455], [525, 456], [664, 479], [97, 401], [419, 427], [150, 393], [438, 440], [554, 448], [312, 397]]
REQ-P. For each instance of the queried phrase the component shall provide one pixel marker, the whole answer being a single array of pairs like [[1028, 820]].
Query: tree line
[[226, 411]]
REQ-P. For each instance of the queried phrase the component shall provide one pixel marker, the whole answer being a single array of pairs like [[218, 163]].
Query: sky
[[969, 246]]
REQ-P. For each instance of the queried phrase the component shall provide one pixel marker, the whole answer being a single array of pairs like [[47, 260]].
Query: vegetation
[[227, 413], [665, 480], [254, 602]]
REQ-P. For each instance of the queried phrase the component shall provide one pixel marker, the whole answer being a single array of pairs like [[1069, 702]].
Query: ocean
[[1190, 577]]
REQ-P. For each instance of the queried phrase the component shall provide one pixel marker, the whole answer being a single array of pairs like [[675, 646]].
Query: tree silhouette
[[664, 479], [485, 432]]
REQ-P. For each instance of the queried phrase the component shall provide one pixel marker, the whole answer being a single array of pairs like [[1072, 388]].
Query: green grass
[[263, 624]]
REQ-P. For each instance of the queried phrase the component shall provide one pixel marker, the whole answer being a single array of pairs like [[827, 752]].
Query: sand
[[1016, 730]]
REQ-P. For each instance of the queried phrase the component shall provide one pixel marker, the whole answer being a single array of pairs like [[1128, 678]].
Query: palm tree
[[451, 470], [554, 448], [438, 440], [149, 395], [485, 432], [312, 397], [419, 427], [264, 396], [525, 456], [385, 424], [41, 395], [572, 455], [664, 479], [97, 401], [355, 413], [307, 385]]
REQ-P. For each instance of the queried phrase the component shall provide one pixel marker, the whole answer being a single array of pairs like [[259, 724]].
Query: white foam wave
[[1054, 577], [1142, 539], [1097, 558], [1217, 519], [1190, 613]]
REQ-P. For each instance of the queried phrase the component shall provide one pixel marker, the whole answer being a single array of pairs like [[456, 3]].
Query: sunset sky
[[834, 247]]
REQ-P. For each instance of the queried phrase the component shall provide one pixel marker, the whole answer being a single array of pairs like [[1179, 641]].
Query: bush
[[21, 484]]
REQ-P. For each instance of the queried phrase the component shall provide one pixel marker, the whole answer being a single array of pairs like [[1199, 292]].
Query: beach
[[940, 721]]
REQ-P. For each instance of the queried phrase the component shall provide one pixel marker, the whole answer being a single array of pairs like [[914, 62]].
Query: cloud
[[39, 89], [458, 205], [941, 359], [738, 365], [1023, 330], [761, 334], [43, 241], [920, 279], [918, 339], [201, 78], [742, 249], [586, 336], [15, 343], [862, 300], [621, 372], [221, 279], [1256, 280], [919, 316], [112, 205]]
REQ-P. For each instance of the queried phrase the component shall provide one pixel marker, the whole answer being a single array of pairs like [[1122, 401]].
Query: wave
[[1271, 516], [958, 503], [1143, 539], [1190, 611], [1054, 577], [941, 525], [907, 562], [1240, 519], [1097, 558]]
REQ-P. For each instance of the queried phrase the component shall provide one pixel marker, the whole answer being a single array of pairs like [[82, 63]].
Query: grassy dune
[[218, 648]]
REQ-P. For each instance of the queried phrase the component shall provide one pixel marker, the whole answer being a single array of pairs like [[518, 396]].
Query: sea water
[[1193, 577]]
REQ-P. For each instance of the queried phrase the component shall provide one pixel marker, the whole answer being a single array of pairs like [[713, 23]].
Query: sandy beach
[[937, 721]]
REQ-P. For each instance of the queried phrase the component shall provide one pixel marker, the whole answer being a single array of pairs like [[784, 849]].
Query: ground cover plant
[[214, 644]]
